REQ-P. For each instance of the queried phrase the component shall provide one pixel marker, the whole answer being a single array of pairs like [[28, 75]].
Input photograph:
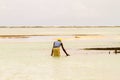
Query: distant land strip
[[59, 26], [29, 35], [50, 35]]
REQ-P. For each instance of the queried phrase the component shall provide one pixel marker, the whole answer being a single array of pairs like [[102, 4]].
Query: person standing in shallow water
[[56, 48]]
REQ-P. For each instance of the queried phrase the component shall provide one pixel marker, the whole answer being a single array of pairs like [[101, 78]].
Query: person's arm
[[52, 50], [64, 50]]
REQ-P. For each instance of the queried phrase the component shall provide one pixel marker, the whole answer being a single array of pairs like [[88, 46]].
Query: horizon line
[[58, 26]]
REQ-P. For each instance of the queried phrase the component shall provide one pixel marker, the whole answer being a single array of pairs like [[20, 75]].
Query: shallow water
[[101, 37], [32, 61], [29, 58]]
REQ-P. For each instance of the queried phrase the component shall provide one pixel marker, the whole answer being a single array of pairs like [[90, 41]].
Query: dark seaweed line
[[109, 48]]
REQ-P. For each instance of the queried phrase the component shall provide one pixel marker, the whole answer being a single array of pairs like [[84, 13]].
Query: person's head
[[59, 39]]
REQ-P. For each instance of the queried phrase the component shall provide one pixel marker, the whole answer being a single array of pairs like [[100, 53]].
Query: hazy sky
[[59, 12]]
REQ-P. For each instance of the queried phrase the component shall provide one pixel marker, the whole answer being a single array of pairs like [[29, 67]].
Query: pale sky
[[59, 12]]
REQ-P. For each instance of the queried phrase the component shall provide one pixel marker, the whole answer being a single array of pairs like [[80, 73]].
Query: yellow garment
[[59, 39], [56, 52]]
